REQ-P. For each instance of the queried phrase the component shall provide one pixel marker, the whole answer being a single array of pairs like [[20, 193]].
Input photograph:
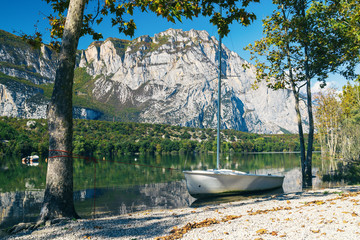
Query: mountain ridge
[[170, 78]]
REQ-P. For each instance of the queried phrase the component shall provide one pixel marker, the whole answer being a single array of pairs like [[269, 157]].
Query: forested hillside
[[24, 137]]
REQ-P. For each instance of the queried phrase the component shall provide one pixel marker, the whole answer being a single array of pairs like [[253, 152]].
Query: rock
[[170, 78], [20, 227], [31, 124]]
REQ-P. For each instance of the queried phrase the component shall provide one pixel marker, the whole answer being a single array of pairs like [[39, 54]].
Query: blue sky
[[22, 15]]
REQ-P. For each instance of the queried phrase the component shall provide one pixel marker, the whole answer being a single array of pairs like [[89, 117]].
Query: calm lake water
[[127, 184]]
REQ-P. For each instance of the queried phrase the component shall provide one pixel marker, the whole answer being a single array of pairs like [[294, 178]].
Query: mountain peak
[[178, 35], [168, 78], [172, 78]]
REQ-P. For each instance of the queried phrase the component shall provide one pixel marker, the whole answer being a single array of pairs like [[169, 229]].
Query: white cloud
[[316, 87]]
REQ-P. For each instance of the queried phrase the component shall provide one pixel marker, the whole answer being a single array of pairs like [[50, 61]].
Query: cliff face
[[172, 78], [21, 100], [20, 60], [23, 70], [168, 78]]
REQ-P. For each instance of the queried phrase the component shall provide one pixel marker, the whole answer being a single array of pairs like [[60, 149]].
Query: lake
[[129, 183]]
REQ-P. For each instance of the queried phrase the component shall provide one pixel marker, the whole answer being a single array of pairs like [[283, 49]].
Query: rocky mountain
[[168, 78], [25, 73]]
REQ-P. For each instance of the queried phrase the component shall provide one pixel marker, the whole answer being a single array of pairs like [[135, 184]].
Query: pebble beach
[[316, 214]]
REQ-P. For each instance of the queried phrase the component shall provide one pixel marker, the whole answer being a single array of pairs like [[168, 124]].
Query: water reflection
[[126, 188], [122, 200]]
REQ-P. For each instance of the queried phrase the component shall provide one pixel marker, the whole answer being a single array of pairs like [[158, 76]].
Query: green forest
[[25, 137]]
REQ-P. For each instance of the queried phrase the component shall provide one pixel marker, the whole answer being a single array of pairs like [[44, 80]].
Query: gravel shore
[[319, 214]]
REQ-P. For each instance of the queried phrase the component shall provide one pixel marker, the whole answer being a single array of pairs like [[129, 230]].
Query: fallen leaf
[[262, 231], [174, 229], [226, 233], [284, 235], [274, 233], [315, 231], [210, 231], [340, 230], [230, 217]]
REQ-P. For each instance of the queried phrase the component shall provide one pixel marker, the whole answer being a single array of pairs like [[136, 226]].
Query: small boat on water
[[30, 160], [205, 183], [208, 183]]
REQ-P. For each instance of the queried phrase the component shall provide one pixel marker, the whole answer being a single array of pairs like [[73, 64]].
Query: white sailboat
[[205, 183], [214, 182]]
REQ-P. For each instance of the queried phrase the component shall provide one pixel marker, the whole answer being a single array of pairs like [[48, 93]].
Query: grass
[[12, 40]]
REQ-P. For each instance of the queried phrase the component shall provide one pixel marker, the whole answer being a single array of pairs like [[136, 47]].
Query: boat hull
[[227, 182], [30, 160]]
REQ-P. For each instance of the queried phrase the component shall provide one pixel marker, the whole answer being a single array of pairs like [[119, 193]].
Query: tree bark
[[308, 162], [297, 106], [300, 128], [58, 200]]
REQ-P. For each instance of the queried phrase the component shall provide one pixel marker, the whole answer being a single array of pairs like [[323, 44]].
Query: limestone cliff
[[23, 70], [168, 78], [172, 78]]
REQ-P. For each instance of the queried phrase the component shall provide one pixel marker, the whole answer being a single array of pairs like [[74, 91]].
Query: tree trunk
[[297, 105], [58, 200], [308, 162], [308, 168], [300, 128]]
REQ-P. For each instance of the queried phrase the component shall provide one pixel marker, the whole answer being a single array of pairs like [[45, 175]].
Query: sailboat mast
[[219, 107]]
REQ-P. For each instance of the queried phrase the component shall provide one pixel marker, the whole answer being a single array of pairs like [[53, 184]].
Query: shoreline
[[315, 214]]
